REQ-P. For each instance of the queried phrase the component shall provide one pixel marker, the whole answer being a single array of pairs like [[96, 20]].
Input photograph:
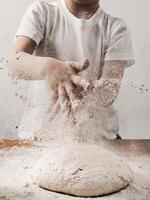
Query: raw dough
[[81, 170]]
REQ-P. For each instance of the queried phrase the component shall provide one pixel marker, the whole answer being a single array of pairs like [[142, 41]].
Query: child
[[51, 45]]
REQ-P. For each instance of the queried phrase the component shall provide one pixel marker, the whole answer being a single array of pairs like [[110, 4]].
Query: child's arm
[[109, 84], [23, 64], [60, 76]]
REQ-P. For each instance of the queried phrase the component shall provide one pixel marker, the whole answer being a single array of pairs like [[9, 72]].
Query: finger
[[51, 88], [98, 84], [54, 95], [66, 107], [54, 111], [80, 66], [62, 96], [79, 81], [70, 91], [74, 104]]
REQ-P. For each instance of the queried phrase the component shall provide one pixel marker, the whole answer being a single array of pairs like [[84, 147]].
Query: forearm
[[110, 82], [29, 67], [108, 90]]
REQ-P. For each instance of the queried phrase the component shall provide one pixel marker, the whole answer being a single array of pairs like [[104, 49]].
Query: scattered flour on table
[[81, 170], [77, 166]]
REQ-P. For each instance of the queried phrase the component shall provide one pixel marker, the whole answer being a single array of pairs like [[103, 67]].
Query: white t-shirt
[[61, 35]]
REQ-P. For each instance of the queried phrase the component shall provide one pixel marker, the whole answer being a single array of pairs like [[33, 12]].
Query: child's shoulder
[[44, 3], [43, 6], [50, 2], [112, 21]]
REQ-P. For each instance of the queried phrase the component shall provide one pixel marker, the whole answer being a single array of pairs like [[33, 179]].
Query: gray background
[[134, 107]]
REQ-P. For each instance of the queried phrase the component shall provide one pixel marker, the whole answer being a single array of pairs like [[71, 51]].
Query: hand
[[62, 78]]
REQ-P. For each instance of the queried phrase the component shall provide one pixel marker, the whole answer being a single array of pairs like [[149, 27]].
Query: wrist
[[50, 65]]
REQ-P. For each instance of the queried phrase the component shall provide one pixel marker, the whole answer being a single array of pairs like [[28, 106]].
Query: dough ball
[[81, 170]]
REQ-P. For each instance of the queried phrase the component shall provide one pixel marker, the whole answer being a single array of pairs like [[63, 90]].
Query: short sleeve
[[33, 22], [119, 46]]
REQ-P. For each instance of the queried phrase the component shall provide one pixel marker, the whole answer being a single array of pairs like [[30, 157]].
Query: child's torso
[[68, 38]]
